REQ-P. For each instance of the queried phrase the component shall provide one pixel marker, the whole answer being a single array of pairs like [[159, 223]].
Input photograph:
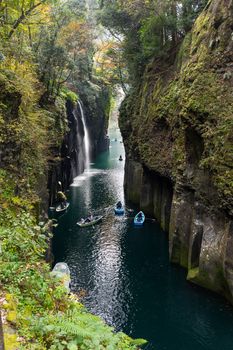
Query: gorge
[[62, 65], [123, 273]]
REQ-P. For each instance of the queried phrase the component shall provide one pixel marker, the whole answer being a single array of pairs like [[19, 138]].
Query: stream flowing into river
[[124, 274]]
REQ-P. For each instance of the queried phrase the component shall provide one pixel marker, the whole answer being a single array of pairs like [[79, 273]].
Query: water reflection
[[126, 271], [107, 283]]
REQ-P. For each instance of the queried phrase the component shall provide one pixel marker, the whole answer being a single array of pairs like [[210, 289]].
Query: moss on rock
[[191, 93], [178, 124]]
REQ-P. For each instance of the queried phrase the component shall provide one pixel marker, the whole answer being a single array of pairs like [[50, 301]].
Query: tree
[[109, 63], [63, 42], [26, 11], [151, 28], [16, 13]]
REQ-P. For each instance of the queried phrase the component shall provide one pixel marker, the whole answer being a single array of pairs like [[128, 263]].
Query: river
[[123, 272]]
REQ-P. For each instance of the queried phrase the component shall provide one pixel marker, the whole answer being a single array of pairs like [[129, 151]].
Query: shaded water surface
[[125, 271]]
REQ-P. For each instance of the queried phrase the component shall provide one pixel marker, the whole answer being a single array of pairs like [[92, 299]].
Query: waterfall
[[86, 138], [79, 180]]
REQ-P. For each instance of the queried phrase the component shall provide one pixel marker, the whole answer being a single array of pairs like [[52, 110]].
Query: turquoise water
[[123, 272]]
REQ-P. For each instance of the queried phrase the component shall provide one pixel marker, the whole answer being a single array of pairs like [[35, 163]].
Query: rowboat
[[95, 220], [60, 209], [139, 219], [119, 211]]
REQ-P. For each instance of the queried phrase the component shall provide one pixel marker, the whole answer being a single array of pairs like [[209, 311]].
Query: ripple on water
[[126, 273]]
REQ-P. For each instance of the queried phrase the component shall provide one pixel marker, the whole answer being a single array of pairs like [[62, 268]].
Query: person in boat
[[62, 199], [119, 205], [89, 218], [120, 158], [139, 218]]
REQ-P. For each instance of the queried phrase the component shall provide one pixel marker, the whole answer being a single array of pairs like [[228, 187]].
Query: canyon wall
[[41, 145], [177, 130], [95, 97], [69, 157]]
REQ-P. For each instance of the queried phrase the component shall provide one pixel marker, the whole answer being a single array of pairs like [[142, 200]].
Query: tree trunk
[[174, 15]]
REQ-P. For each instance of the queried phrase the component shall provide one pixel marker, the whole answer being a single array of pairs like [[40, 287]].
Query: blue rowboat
[[119, 211], [139, 219]]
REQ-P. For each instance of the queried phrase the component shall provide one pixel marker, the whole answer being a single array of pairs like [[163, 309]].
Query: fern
[[77, 329]]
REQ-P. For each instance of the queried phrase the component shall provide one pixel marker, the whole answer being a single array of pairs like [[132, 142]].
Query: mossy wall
[[42, 142], [96, 100], [177, 124], [29, 135]]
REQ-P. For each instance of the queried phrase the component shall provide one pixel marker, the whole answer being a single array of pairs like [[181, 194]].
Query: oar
[[151, 219]]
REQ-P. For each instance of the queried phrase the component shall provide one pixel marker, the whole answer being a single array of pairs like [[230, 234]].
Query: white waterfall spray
[[86, 138]]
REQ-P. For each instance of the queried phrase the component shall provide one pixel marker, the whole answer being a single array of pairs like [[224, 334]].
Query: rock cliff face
[[95, 99], [69, 158], [177, 130], [28, 132], [44, 144]]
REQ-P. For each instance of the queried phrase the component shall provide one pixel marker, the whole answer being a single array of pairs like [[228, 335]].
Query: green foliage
[[149, 28], [45, 45], [49, 38], [69, 95], [150, 35], [194, 93], [79, 330], [27, 130], [63, 47], [37, 305]]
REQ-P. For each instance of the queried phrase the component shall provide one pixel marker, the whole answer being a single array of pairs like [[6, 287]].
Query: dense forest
[[148, 29], [167, 56]]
